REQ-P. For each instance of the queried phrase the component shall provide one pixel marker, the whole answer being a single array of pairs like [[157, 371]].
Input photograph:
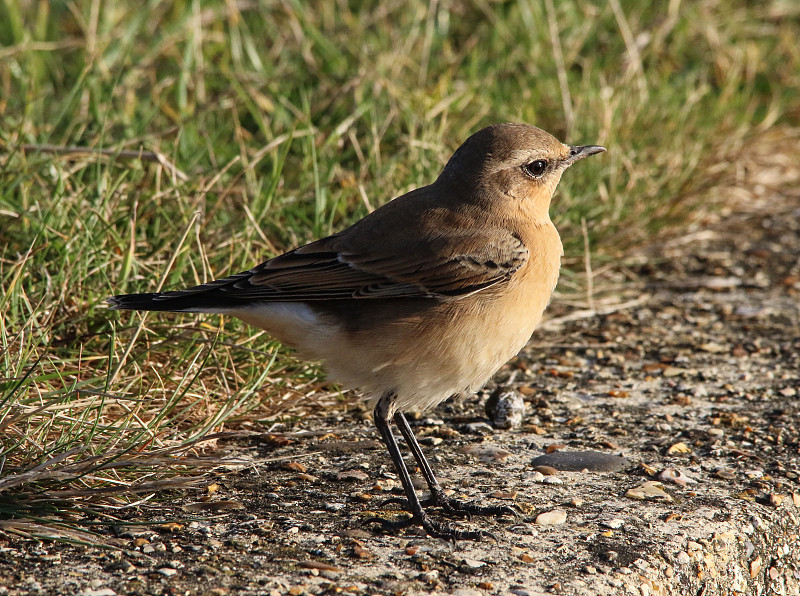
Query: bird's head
[[513, 161]]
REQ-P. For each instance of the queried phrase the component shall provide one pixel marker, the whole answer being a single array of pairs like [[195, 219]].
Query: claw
[[388, 525], [514, 511], [394, 501], [447, 532], [434, 529]]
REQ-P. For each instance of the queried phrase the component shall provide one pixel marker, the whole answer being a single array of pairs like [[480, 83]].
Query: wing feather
[[429, 256]]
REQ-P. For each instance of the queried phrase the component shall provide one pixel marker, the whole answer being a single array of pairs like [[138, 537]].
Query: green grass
[[231, 131]]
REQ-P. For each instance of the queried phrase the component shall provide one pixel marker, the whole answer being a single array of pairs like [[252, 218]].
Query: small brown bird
[[424, 298]]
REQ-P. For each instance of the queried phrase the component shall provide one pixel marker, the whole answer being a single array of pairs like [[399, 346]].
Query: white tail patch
[[295, 324]]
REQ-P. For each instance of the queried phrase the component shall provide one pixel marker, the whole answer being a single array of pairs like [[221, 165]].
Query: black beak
[[577, 152]]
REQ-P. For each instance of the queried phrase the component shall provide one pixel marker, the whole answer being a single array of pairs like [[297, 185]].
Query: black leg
[[435, 529], [449, 504], [416, 450]]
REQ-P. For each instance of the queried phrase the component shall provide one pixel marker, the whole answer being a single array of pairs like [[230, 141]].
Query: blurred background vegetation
[[179, 141]]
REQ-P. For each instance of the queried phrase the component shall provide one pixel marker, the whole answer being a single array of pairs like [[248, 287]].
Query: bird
[[424, 298]]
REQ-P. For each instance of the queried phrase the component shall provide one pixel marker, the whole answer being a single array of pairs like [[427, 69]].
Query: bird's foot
[[457, 507], [434, 529], [454, 506]]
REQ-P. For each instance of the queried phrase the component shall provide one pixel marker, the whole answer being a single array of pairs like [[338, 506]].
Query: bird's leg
[[435, 529], [449, 504]]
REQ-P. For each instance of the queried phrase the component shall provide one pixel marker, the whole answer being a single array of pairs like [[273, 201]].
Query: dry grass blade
[[558, 56], [141, 154], [50, 530]]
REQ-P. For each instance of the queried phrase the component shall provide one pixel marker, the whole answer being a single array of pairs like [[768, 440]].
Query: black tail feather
[[158, 301]]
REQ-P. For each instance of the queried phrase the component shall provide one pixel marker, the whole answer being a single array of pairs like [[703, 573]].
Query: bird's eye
[[535, 169]]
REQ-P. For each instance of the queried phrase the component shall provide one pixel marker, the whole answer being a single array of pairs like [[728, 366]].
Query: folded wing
[[446, 266]]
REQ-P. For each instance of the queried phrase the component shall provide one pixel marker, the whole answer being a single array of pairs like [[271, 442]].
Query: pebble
[[534, 476], [610, 555], [614, 524], [755, 567], [479, 428], [650, 491], [775, 499], [167, 571], [473, 563], [430, 421], [551, 518], [577, 461], [126, 566], [294, 466], [333, 506], [724, 474], [713, 347], [429, 577], [773, 573], [505, 408], [749, 548], [552, 480], [486, 453], [319, 566], [641, 564], [672, 371], [676, 477], [679, 448], [352, 475]]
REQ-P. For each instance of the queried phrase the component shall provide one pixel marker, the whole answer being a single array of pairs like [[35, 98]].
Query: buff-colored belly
[[455, 347]]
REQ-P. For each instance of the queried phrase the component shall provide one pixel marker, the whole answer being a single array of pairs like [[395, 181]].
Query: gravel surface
[[696, 384]]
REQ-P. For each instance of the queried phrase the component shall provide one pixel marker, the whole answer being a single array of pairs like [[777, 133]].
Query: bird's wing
[[448, 265]]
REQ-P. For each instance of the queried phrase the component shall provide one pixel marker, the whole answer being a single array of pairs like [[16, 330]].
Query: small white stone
[[551, 518], [473, 563], [676, 477]]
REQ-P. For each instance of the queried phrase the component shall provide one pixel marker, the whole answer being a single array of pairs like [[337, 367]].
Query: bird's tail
[[208, 297], [160, 301]]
